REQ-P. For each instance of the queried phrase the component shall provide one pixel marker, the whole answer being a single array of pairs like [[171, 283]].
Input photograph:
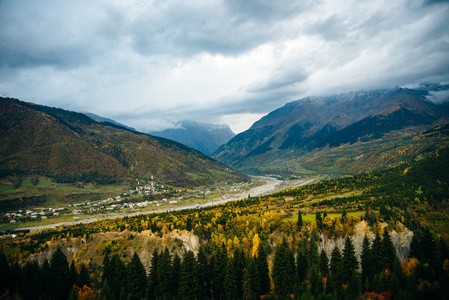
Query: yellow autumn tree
[[256, 243]]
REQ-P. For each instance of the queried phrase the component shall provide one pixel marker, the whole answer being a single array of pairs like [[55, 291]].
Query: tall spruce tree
[[247, 285], [230, 280], [376, 254], [164, 274], [220, 258], [188, 287], [302, 264], [137, 278], [335, 279], [176, 274], [203, 272], [283, 270], [83, 277], [299, 221], [349, 261], [152, 278], [262, 268], [366, 260], [324, 263], [60, 275], [389, 251], [119, 279]]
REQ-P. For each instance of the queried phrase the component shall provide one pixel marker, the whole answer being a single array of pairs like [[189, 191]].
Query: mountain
[[100, 119], [308, 135], [68, 146], [203, 137]]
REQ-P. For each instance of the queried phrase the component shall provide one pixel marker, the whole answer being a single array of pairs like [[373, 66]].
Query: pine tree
[[349, 261], [366, 260], [415, 246], [254, 277], [262, 267], [239, 262], [137, 278], [299, 221], [230, 281], [246, 285], [336, 270], [30, 280], [60, 275], [119, 275], [318, 220], [73, 273], [164, 274], [218, 271], [389, 251], [203, 272], [176, 274], [324, 263], [83, 278], [312, 255], [188, 286], [283, 269], [376, 255], [302, 264], [152, 278]]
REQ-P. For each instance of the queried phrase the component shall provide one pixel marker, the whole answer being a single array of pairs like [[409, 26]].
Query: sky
[[149, 64]]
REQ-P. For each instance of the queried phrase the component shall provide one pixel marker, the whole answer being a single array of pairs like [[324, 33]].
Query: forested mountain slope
[[70, 146], [365, 123]]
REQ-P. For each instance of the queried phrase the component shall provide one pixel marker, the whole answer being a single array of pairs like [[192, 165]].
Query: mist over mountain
[[203, 137], [285, 139], [107, 120]]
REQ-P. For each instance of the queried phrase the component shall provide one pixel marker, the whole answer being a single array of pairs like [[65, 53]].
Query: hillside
[[375, 123], [70, 146], [203, 137], [376, 235]]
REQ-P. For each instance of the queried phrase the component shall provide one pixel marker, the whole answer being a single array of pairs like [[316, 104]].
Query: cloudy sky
[[149, 64]]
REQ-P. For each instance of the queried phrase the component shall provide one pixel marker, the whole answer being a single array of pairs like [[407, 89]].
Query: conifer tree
[[389, 251], [152, 278], [299, 221], [119, 275], [312, 255], [83, 278], [283, 269], [137, 278], [376, 255], [246, 284], [349, 261], [415, 246], [188, 286], [366, 260], [164, 274], [218, 271], [262, 268], [60, 275], [239, 263], [324, 263], [73, 273], [30, 280], [254, 277], [318, 220], [230, 281], [302, 264], [203, 272], [336, 270], [176, 274]]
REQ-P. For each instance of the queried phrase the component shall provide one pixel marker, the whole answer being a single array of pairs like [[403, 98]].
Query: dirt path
[[271, 185]]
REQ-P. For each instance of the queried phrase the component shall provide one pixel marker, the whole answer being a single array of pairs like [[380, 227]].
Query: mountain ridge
[[313, 123], [65, 144]]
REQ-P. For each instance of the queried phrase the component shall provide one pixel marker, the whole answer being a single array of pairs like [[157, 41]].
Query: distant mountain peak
[[203, 137]]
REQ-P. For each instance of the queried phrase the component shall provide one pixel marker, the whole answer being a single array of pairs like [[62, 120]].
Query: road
[[269, 186]]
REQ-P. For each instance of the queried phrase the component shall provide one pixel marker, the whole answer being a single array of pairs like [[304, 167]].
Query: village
[[145, 196]]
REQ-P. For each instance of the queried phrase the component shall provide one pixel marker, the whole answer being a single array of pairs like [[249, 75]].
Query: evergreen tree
[[264, 273], [30, 280], [152, 278], [389, 251], [106, 269], [188, 286], [218, 272], [60, 275], [254, 277], [415, 246], [239, 263], [230, 281], [299, 221], [312, 255], [164, 274], [336, 270], [316, 281], [203, 272], [324, 263], [376, 255], [137, 278], [83, 278], [366, 260], [318, 220], [349, 261], [176, 274], [106, 292], [283, 269], [118, 275], [73, 273], [302, 264], [246, 284], [428, 248], [45, 279]]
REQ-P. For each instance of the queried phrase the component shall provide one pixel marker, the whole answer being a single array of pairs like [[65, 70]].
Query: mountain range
[[66, 145], [346, 133], [203, 137]]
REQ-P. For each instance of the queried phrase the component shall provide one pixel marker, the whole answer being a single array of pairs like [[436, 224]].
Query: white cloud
[[151, 63]]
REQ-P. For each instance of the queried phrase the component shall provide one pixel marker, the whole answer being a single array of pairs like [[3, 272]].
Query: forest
[[259, 247]]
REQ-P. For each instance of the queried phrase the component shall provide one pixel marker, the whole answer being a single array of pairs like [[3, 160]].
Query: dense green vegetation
[[266, 245]]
